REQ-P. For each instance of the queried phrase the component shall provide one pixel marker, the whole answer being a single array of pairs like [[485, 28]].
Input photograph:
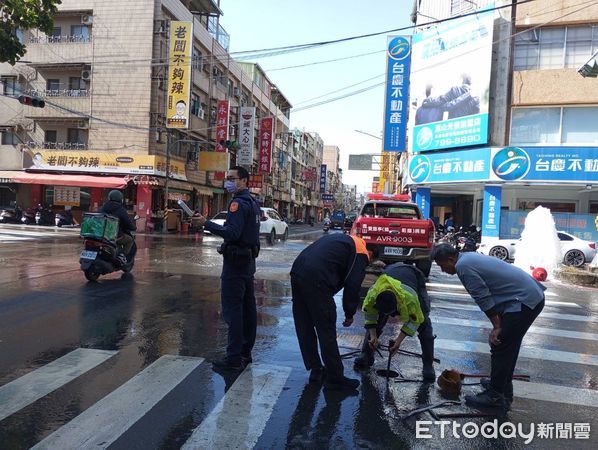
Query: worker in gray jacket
[[510, 298]]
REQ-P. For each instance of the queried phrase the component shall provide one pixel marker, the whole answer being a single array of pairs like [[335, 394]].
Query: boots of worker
[[366, 357], [428, 372]]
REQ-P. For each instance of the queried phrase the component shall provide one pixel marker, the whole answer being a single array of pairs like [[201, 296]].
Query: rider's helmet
[[115, 196]]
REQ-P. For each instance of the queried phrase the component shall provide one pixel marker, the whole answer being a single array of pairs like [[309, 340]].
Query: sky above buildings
[[360, 65]]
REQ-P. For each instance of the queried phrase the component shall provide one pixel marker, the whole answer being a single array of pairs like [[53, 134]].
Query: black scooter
[[63, 218], [11, 215], [100, 256], [44, 216]]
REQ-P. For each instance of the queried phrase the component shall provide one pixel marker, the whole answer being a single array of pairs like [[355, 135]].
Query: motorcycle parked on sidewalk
[[63, 218], [11, 215], [28, 217], [101, 254], [44, 216]]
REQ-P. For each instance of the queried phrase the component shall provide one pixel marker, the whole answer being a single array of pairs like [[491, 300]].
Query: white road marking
[[467, 296], [554, 393], [104, 422], [525, 352], [31, 387], [462, 288], [543, 314], [239, 418], [534, 329]]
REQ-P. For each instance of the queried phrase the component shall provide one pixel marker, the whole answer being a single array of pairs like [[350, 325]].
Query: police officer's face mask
[[230, 186]]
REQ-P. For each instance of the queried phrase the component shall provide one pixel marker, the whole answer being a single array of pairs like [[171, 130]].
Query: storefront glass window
[[579, 126], [535, 126]]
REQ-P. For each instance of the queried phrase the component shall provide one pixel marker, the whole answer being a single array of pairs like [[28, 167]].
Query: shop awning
[[16, 176]]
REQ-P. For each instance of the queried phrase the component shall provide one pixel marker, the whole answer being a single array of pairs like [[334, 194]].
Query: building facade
[[105, 85], [522, 137]]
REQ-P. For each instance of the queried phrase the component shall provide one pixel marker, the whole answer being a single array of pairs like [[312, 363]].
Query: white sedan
[[575, 251], [272, 226], [219, 218]]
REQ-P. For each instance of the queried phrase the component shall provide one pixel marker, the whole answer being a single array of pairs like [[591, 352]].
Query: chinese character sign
[[491, 213], [222, 113], [179, 74], [398, 60], [266, 129], [246, 131], [323, 173], [255, 181]]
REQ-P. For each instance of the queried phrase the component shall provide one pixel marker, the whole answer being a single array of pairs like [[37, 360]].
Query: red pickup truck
[[394, 229]]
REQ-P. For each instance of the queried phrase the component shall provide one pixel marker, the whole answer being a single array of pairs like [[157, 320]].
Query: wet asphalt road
[[170, 306]]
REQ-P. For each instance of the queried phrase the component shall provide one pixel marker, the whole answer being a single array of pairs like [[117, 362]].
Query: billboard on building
[[323, 173], [179, 74], [450, 83], [246, 132], [398, 57]]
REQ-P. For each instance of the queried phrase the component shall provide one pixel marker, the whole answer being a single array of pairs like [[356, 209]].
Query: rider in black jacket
[[114, 206]]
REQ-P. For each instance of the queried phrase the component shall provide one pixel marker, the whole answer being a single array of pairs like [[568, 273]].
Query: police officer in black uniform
[[241, 233]]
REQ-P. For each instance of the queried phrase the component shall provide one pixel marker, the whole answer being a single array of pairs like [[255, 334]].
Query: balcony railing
[[59, 39], [58, 92], [58, 145]]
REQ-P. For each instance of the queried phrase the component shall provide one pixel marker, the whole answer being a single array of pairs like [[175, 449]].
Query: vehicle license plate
[[86, 254], [398, 251]]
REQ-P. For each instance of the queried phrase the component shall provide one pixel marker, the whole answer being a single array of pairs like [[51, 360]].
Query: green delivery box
[[100, 226]]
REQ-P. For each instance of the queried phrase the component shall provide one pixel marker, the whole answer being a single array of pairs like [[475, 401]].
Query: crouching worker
[[401, 291], [333, 262]]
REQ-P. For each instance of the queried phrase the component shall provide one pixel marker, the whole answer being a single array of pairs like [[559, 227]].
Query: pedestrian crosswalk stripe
[[31, 387], [525, 352], [239, 418], [103, 423], [460, 287], [534, 329], [462, 295], [4, 238], [554, 393], [543, 314]]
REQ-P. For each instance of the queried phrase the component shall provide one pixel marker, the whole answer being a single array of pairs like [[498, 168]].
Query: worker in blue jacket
[[241, 233], [331, 263]]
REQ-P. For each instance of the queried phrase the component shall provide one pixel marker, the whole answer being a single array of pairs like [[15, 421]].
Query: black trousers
[[314, 313], [239, 312], [504, 356]]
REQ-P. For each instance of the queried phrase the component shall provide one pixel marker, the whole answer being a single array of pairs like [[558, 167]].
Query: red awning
[[69, 180]]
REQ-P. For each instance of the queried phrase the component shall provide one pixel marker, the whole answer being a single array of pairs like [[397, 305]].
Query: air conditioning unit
[[236, 92], [86, 19], [86, 75], [201, 114], [83, 124]]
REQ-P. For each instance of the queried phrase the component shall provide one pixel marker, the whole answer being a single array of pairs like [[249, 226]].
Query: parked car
[[219, 218], [272, 226], [575, 251]]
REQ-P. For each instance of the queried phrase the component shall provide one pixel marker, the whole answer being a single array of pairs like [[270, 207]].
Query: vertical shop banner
[[266, 128], [449, 97], [246, 132], [422, 198], [396, 104], [179, 74], [323, 173], [222, 114], [491, 213]]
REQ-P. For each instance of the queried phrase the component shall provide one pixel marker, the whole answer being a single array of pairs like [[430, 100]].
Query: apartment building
[[103, 73], [525, 132]]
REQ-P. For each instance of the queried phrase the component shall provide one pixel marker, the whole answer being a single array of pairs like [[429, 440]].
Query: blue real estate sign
[[397, 93], [556, 164], [449, 92]]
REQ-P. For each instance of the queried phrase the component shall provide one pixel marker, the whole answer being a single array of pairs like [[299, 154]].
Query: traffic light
[[31, 101], [231, 145]]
